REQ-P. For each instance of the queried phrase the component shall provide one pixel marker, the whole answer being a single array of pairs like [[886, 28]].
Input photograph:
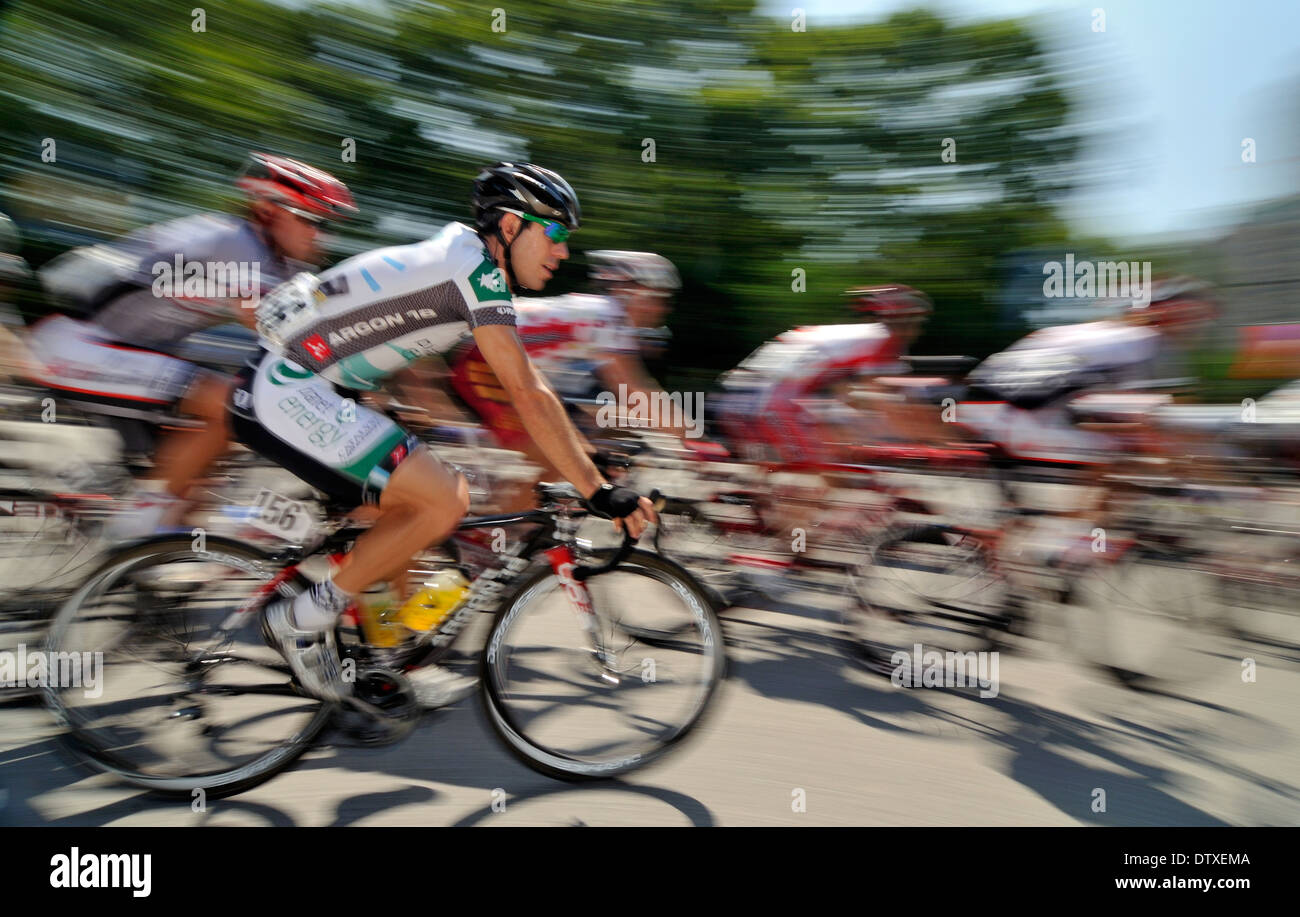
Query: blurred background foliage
[[773, 150]]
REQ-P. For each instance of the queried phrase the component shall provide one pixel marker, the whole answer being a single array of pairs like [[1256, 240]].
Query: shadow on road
[[798, 654]]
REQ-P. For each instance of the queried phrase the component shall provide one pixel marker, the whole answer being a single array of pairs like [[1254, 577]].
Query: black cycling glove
[[612, 502]]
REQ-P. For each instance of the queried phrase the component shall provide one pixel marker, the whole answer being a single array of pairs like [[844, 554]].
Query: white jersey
[[1109, 351], [1029, 418], [374, 314]]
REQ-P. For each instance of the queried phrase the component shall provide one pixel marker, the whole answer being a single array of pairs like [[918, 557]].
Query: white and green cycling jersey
[[373, 314], [349, 328]]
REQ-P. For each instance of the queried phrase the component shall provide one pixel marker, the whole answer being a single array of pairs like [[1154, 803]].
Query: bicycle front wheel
[[587, 703], [1149, 616], [175, 689]]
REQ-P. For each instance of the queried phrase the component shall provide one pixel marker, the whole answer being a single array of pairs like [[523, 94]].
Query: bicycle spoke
[[570, 711], [181, 701]]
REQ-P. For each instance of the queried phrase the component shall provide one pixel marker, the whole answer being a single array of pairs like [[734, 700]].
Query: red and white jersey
[[583, 326], [774, 401], [809, 357], [570, 337]]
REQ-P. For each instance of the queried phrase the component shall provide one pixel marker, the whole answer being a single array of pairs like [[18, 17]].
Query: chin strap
[[505, 248]]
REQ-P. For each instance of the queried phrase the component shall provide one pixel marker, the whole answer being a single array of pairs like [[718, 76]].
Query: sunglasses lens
[[556, 232]]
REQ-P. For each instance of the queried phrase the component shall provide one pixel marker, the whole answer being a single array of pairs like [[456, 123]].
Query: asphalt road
[[800, 735]]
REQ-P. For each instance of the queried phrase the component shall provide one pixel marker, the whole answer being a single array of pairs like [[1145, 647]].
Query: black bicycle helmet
[[510, 187]]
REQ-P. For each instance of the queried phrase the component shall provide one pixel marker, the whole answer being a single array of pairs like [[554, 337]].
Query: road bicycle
[[597, 661], [1141, 597]]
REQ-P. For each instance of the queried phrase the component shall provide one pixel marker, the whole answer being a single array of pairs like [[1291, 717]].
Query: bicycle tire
[[545, 759], [1146, 618], [78, 737], [964, 614]]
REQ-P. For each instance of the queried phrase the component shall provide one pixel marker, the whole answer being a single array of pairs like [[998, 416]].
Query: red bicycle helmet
[[890, 301], [299, 188]]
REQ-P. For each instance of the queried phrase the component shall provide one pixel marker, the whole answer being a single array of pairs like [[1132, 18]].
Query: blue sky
[[1185, 80]]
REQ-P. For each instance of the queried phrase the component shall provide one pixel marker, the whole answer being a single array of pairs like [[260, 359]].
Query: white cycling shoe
[[312, 655], [146, 515], [438, 687]]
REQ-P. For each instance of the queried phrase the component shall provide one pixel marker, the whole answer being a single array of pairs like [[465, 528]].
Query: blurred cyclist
[[1021, 397], [14, 359], [359, 323], [785, 401], [119, 351]]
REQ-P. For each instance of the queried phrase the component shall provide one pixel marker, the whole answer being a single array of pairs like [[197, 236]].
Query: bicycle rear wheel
[[44, 548], [927, 584], [570, 714], [184, 695]]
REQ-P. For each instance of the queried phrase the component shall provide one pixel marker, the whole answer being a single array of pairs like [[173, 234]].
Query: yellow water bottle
[[436, 599], [378, 607]]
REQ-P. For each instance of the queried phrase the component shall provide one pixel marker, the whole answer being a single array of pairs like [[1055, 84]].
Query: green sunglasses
[[556, 232]]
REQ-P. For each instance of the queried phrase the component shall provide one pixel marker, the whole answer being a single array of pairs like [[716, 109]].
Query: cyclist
[[786, 398], [119, 351], [1021, 397], [362, 321], [789, 401]]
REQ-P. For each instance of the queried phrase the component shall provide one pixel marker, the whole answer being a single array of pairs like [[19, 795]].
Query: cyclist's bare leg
[[184, 456], [421, 505]]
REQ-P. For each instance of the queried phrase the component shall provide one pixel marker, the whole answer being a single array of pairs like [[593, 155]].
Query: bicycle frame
[[554, 539]]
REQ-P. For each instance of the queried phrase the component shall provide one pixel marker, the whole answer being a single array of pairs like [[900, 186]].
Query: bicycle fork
[[562, 563]]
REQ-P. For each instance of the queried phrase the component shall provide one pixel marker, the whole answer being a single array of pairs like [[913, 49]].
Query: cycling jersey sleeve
[[486, 294]]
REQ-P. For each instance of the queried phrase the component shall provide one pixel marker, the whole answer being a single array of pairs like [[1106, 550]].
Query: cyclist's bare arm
[[627, 370], [540, 410], [907, 420], [245, 316]]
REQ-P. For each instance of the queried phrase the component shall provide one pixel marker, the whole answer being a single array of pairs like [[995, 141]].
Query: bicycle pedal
[[382, 709]]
